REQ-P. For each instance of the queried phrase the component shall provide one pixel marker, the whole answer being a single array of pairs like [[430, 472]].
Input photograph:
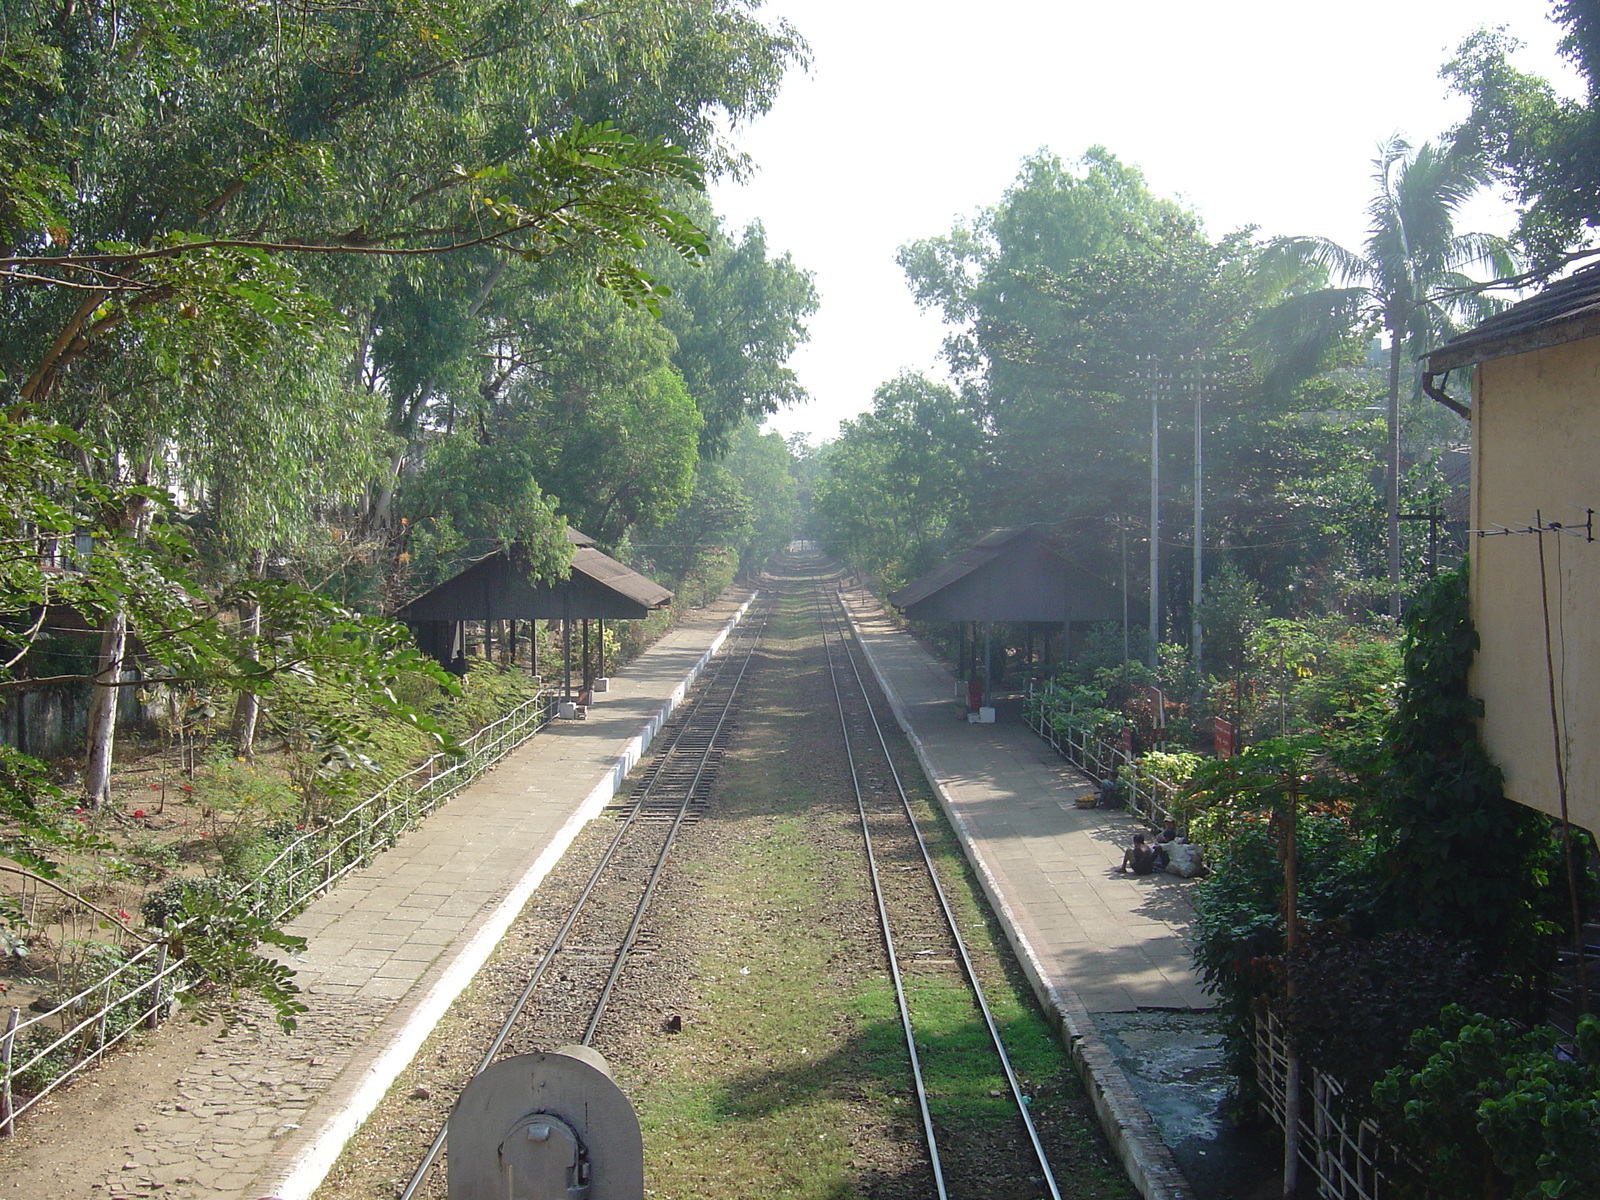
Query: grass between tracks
[[790, 1078]]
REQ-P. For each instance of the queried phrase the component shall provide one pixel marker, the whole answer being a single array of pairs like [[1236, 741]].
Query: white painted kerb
[[315, 1159]]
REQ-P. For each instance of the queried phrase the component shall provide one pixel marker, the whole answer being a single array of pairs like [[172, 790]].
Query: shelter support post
[[989, 684], [566, 645]]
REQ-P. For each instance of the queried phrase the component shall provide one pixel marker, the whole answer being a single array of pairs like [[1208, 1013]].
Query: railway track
[[922, 939], [940, 1114], [568, 993]]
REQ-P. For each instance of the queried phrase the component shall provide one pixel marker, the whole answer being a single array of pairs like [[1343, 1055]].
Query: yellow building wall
[[1536, 451]]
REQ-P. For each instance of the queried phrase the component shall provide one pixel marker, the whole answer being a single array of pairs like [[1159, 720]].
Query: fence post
[[154, 1019], [8, 1123], [105, 1012]]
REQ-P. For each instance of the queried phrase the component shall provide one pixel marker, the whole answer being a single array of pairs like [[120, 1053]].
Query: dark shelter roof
[[495, 589], [1010, 575], [1566, 311]]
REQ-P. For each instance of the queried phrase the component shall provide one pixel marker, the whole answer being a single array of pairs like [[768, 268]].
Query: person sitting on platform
[[1140, 857]]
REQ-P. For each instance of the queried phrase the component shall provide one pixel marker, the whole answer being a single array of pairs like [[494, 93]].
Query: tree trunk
[[103, 710], [247, 709], [1394, 469], [102, 732]]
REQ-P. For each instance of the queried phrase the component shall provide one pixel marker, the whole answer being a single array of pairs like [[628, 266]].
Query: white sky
[[1255, 112]]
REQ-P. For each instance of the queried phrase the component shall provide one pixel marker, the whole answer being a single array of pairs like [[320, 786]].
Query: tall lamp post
[[1202, 382], [1156, 381]]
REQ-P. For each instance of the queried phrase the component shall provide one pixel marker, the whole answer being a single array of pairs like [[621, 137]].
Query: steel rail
[[921, 1089], [635, 810], [672, 836], [842, 616]]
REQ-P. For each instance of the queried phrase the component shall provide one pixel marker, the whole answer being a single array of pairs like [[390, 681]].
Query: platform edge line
[[311, 1164]]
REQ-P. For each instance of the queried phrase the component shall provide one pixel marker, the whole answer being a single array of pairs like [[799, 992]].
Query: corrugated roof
[[1565, 311], [981, 552], [602, 568], [1024, 574], [495, 587]]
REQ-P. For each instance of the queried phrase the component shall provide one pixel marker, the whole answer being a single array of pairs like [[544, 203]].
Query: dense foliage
[[1419, 883], [302, 311], [1075, 302], [1545, 147], [1458, 857], [353, 299], [1495, 1110]]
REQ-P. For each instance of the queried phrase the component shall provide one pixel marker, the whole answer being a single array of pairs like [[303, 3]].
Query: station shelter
[[1024, 576], [495, 588]]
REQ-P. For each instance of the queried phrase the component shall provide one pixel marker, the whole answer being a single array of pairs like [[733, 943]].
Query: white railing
[[1148, 796], [1340, 1153], [45, 1051]]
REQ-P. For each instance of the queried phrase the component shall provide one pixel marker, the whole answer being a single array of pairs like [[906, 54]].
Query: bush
[[488, 692], [1495, 1112], [1238, 908], [1155, 770], [1356, 1000], [167, 901]]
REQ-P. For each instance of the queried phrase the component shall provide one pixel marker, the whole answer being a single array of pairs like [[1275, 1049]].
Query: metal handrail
[[1346, 1154], [1089, 752], [333, 850]]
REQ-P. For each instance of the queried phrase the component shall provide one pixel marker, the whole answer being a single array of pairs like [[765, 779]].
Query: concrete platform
[[263, 1114], [1091, 939]]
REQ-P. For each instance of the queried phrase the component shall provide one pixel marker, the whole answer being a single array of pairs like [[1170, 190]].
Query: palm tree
[[1409, 278]]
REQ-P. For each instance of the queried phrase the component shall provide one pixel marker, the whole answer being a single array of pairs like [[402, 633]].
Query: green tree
[[1409, 277], [711, 528], [894, 488], [736, 316], [1062, 296], [1544, 146], [762, 464], [197, 201]]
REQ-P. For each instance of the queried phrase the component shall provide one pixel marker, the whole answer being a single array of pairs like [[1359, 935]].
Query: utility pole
[[1122, 540], [1202, 381], [1155, 380]]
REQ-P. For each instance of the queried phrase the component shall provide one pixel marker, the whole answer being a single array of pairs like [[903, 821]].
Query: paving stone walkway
[[1117, 941], [259, 1113]]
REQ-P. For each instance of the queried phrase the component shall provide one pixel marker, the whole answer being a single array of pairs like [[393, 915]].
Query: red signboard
[[1222, 734]]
